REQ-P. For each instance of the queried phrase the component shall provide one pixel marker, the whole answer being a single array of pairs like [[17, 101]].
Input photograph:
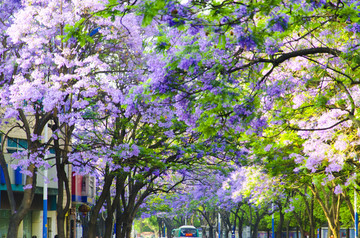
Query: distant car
[[185, 231]]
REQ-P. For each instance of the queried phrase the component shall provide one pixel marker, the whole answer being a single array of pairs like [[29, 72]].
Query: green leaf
[[321, 101], [222, 42], [147, 19], [152, 9]]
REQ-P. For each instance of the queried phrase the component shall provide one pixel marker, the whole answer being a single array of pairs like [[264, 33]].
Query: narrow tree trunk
[[288, 228], [255, 227], [126, 225], [61, 211], [311, 219], [118, 220], [211, 231], [109, 219], [96, 209], [297, 232], [240, 226], [108, 226], [63, 182], [226, 232], [280, 224], [330, 204]]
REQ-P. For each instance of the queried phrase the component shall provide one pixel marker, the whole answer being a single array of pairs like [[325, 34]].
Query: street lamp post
[[356, 214], [45, 191], [219, 225], [272, 221]]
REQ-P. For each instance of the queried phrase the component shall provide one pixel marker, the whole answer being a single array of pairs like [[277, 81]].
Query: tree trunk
[[63, 182], [312, 219], [109, 221], [16, 218], [99, 203], [297, 232], [330, 204], [255, 226], [14, 226], [169, 226], [62, 211], [281, 222], [240, 226], [288, 228], [226, 235], [125, 226], [211, 231], [108, 226], [113, 204]]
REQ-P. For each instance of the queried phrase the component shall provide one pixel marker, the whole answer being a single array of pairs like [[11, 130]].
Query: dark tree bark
[[281, 221], [61, 158], [209, 218], [18, 214], [99, 203], [16, 218]]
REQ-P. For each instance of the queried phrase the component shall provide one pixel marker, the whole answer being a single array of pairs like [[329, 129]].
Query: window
[[91, 187], [49, 226], [188, 232], [2, 176], [15, 145]]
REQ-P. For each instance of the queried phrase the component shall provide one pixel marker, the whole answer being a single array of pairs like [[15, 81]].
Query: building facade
[[82, 190]]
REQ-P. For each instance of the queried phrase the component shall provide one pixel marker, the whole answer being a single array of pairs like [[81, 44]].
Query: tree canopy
[[251, 101]]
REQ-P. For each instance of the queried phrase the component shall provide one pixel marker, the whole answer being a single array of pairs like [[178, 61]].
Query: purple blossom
[[186, 63], [338, 189], [28, 186], [169, 134], [259, 124], [241, 11], [355, 27], [271, 46], [341, 143], [224, 20], [135, 150], [268, 147], [246, 42], [279, 23]]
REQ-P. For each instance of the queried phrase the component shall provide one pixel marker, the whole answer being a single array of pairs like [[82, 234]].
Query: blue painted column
[[219, 225], [356, 214], [45, 204], [272, 222], [45, 191]]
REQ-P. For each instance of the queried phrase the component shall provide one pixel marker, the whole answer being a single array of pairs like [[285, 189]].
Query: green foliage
[[77, 31], [321, 101], [222, 42], [150, 10]]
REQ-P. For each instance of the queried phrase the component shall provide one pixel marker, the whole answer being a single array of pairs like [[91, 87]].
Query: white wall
[[37, 223]]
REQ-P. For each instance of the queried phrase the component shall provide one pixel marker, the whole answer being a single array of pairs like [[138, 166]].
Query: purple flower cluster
[[175, 15], [246, 41], [279, 23], [241, 11], [355, 27], [186, 63], [244, 110], [271, 46]]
